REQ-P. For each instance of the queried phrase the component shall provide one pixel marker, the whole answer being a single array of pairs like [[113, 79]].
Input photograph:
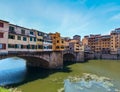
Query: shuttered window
[[24, 39], [2, 46], [1, 35], [1, 24], [19, 37], [23, 31]]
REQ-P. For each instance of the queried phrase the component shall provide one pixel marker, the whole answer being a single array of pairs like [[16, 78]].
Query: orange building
[[97, 43], [58, 42]]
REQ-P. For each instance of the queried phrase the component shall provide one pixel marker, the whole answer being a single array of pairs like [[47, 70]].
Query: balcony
[[12, 31]]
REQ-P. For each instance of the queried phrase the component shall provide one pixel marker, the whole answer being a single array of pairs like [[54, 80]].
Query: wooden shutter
[[4, 46], [1, 24], [1, 35]]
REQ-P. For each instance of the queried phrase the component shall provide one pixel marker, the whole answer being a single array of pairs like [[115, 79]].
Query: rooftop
[[4, 21]]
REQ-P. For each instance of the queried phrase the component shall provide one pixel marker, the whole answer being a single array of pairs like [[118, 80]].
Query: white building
[[47, 43], [32, 41], [21, 39]]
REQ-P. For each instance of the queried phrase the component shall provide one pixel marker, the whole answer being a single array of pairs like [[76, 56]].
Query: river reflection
[[89, 83], [12, 70]]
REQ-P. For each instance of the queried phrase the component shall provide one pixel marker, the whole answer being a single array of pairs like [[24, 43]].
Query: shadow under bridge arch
[[32, 61], [69, 58]]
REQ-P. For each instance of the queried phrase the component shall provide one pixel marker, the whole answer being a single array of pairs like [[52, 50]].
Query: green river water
[[39, 80]]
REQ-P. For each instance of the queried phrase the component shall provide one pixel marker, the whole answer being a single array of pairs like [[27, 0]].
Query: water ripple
[[89, 83]]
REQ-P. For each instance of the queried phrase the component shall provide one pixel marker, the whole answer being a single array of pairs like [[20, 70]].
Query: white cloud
[[54, 17], [116, 17]]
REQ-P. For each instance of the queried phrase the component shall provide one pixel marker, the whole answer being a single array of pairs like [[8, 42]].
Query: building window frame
[[24, 38], [1, 35], [31, 38], [23, 31], [11, 29], [57, 41], [57, 47], [34, 39], [18, 37], [11, 36], [31, 33], [1, 24]]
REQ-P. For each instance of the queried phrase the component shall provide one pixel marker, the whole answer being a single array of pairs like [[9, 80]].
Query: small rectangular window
[[31, 33], [2, 46], [62, 47], [25, 46], [33, 46], [57, 47], [12, 29], [24, 39], [39, 34], [19, 37], [1, 24], [50, 47], [1, 35], [11, 36], [34, 39], [21, 46], [23, 31], [40, 46], [62, 41], [40, 40], [30, 38], [16, 46], [28, 46], [10, 46], [57, 41]]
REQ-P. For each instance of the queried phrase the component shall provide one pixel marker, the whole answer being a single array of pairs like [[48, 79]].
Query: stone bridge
[[69, 56], [50, 59]]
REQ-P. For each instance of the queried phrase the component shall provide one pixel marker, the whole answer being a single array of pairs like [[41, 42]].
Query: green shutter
[[35, 39], [30, 38]]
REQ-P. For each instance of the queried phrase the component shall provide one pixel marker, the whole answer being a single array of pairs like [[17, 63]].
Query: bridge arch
[[68, 58], [35, 61]]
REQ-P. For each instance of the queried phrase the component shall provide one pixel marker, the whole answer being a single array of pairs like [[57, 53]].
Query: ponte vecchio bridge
[[50, 59]]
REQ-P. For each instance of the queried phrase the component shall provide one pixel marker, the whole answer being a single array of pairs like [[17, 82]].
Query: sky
[[68, 17]]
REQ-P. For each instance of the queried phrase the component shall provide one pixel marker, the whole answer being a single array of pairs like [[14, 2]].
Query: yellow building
[[105, 43], [58, 42], [39, 42]]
